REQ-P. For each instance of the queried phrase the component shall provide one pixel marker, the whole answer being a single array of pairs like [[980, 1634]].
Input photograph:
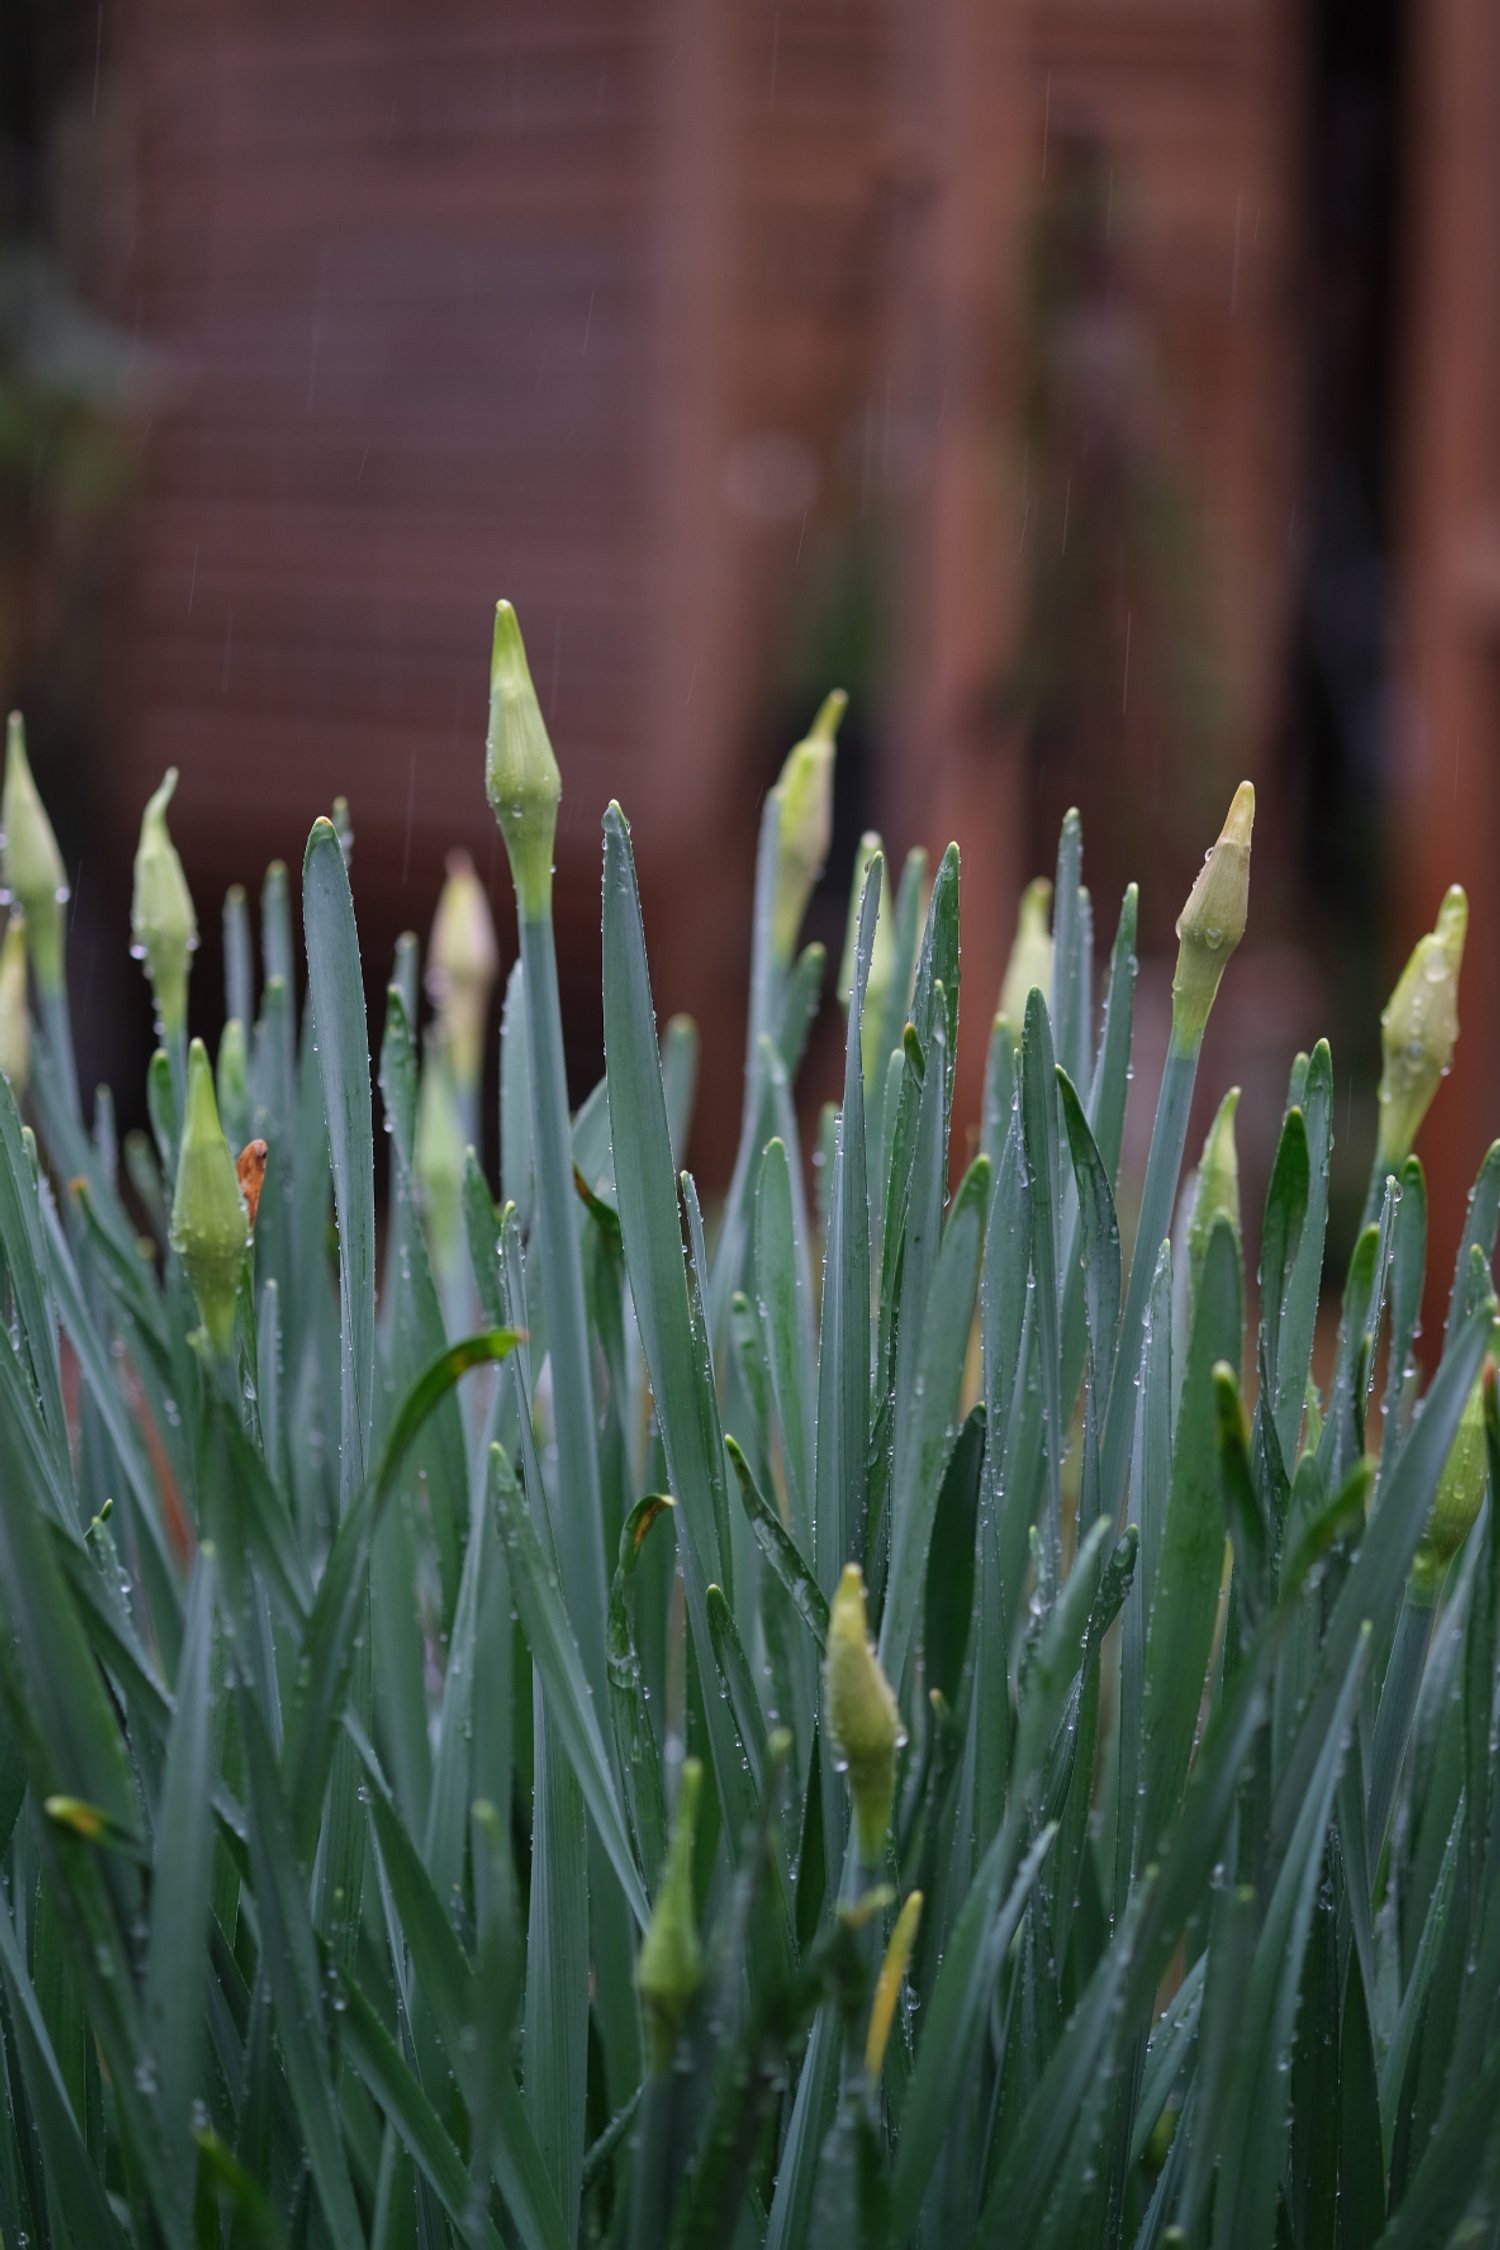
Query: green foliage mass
[[877, 1720]]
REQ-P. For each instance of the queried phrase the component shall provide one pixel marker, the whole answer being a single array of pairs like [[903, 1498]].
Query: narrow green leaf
[[986, 1926], [1111, 1080], [787, 1321], [780, 1549], [1299, 1306], [554, 1650], [843, 1398], [337, 995], [182, 1866], [290, 1958], [928, 1435], [399, 2095], [1185, 1596]]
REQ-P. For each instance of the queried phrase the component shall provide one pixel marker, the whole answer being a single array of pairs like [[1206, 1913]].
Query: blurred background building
[[1101, 390]]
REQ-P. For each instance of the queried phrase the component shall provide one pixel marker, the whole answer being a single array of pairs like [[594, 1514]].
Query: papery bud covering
[[462, 960], [804, 796], [1419, 1029], [162, 919], [521, 774], [34, 873], [1212, 923], [1030, 965], [210, 1228], [1460, 1494], [863, 1721], [15, 1020]]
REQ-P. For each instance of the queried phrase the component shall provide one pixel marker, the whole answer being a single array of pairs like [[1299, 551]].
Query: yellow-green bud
[[670, 1968], [1419, 1029], [15, 1022], [863, 1721], [521, 774], [162, 919], [34, 873], [210, 1227], [882, 953], [804, 798], [1030, 965], [438, 1156], [462, 960], [1460, 1494], [1212, 923], [1218, 1190]]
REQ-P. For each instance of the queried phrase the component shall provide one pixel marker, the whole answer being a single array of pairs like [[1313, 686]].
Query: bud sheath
[[521, 774], [210, 1229], [1212, 923], [863, 1720], [804, 799], [1419, 1030], [162, 919], [34, 874]]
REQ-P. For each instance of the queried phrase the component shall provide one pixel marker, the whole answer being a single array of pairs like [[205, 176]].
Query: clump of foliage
[[884, 1722]]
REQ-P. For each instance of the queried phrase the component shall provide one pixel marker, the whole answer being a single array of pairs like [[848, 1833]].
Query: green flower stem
[[657, 2160], [580, 1526]]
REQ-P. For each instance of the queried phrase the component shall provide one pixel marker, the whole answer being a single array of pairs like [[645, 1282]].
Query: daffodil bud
[[162, 919], [1459, 1496], [34, 873], [1218, 1192], [438, 1156], [1212, 923], [804, 797], [521, 774], [1029, 968], [1419, 1029], [670, 1967], [210, 1229], [15, 1022], [863, 1721], [462, 960]]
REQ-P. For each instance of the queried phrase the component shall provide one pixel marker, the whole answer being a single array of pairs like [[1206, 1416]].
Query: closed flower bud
[[1029, 968], [804, 796], [1419, 1029], [462, 960], [863, 1721], [521, 774], [15, 1022], [210, 1229], [162, 919], [1460, 1494], [670, 1967], [34, 874], [1218, 1192], [1212, 923]]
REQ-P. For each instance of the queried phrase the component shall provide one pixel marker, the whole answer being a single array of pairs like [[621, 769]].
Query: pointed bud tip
[[830, 712], [1240, 821]]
